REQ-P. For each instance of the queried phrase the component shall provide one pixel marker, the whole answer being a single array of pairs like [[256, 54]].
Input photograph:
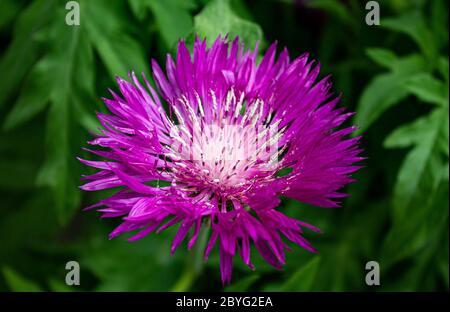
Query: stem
[[185, 281], [194, 263]]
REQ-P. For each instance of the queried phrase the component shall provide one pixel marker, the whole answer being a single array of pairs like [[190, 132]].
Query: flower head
[[219, 128]]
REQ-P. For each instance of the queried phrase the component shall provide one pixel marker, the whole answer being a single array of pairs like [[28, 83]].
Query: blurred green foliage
[[395, 76]]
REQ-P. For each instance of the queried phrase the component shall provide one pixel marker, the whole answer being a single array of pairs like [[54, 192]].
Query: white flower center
[[225, 148]]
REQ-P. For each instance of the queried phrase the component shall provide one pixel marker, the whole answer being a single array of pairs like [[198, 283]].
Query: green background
[[395, 76]]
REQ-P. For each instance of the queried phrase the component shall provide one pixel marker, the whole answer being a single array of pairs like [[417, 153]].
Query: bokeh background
[[395, 76]]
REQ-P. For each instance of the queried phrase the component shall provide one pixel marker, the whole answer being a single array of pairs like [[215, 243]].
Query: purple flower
[[219, 128]]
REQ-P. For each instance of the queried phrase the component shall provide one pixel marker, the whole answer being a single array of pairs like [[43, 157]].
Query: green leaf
[[173, 20], [112, 261], [217, 18], [84, 63], [443, 67], [85, 116], [83, 98], [416, 217], [418, 234], [34, 96], [17, 282], [446, 172], [413, 24], [409, 134], [419, 164], [23, 50], [422, 162], [62, 77], [55, 172], [381, 93], [117, 49], [383, 57], [303, 279], [51, 81], [386, 90], [428, 89], [23, 230], [444, 135], [243, 284], [138, 7]]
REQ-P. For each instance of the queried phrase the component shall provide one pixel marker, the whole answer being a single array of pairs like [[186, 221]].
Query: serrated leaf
[[419, 232], [415, 166], [55, 173], [303, 278], [17, 282], [422, 162], [409, 134], [428, 89], [386, 90], [381, 93], [217, 18], [413, 24], [416, 216]]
